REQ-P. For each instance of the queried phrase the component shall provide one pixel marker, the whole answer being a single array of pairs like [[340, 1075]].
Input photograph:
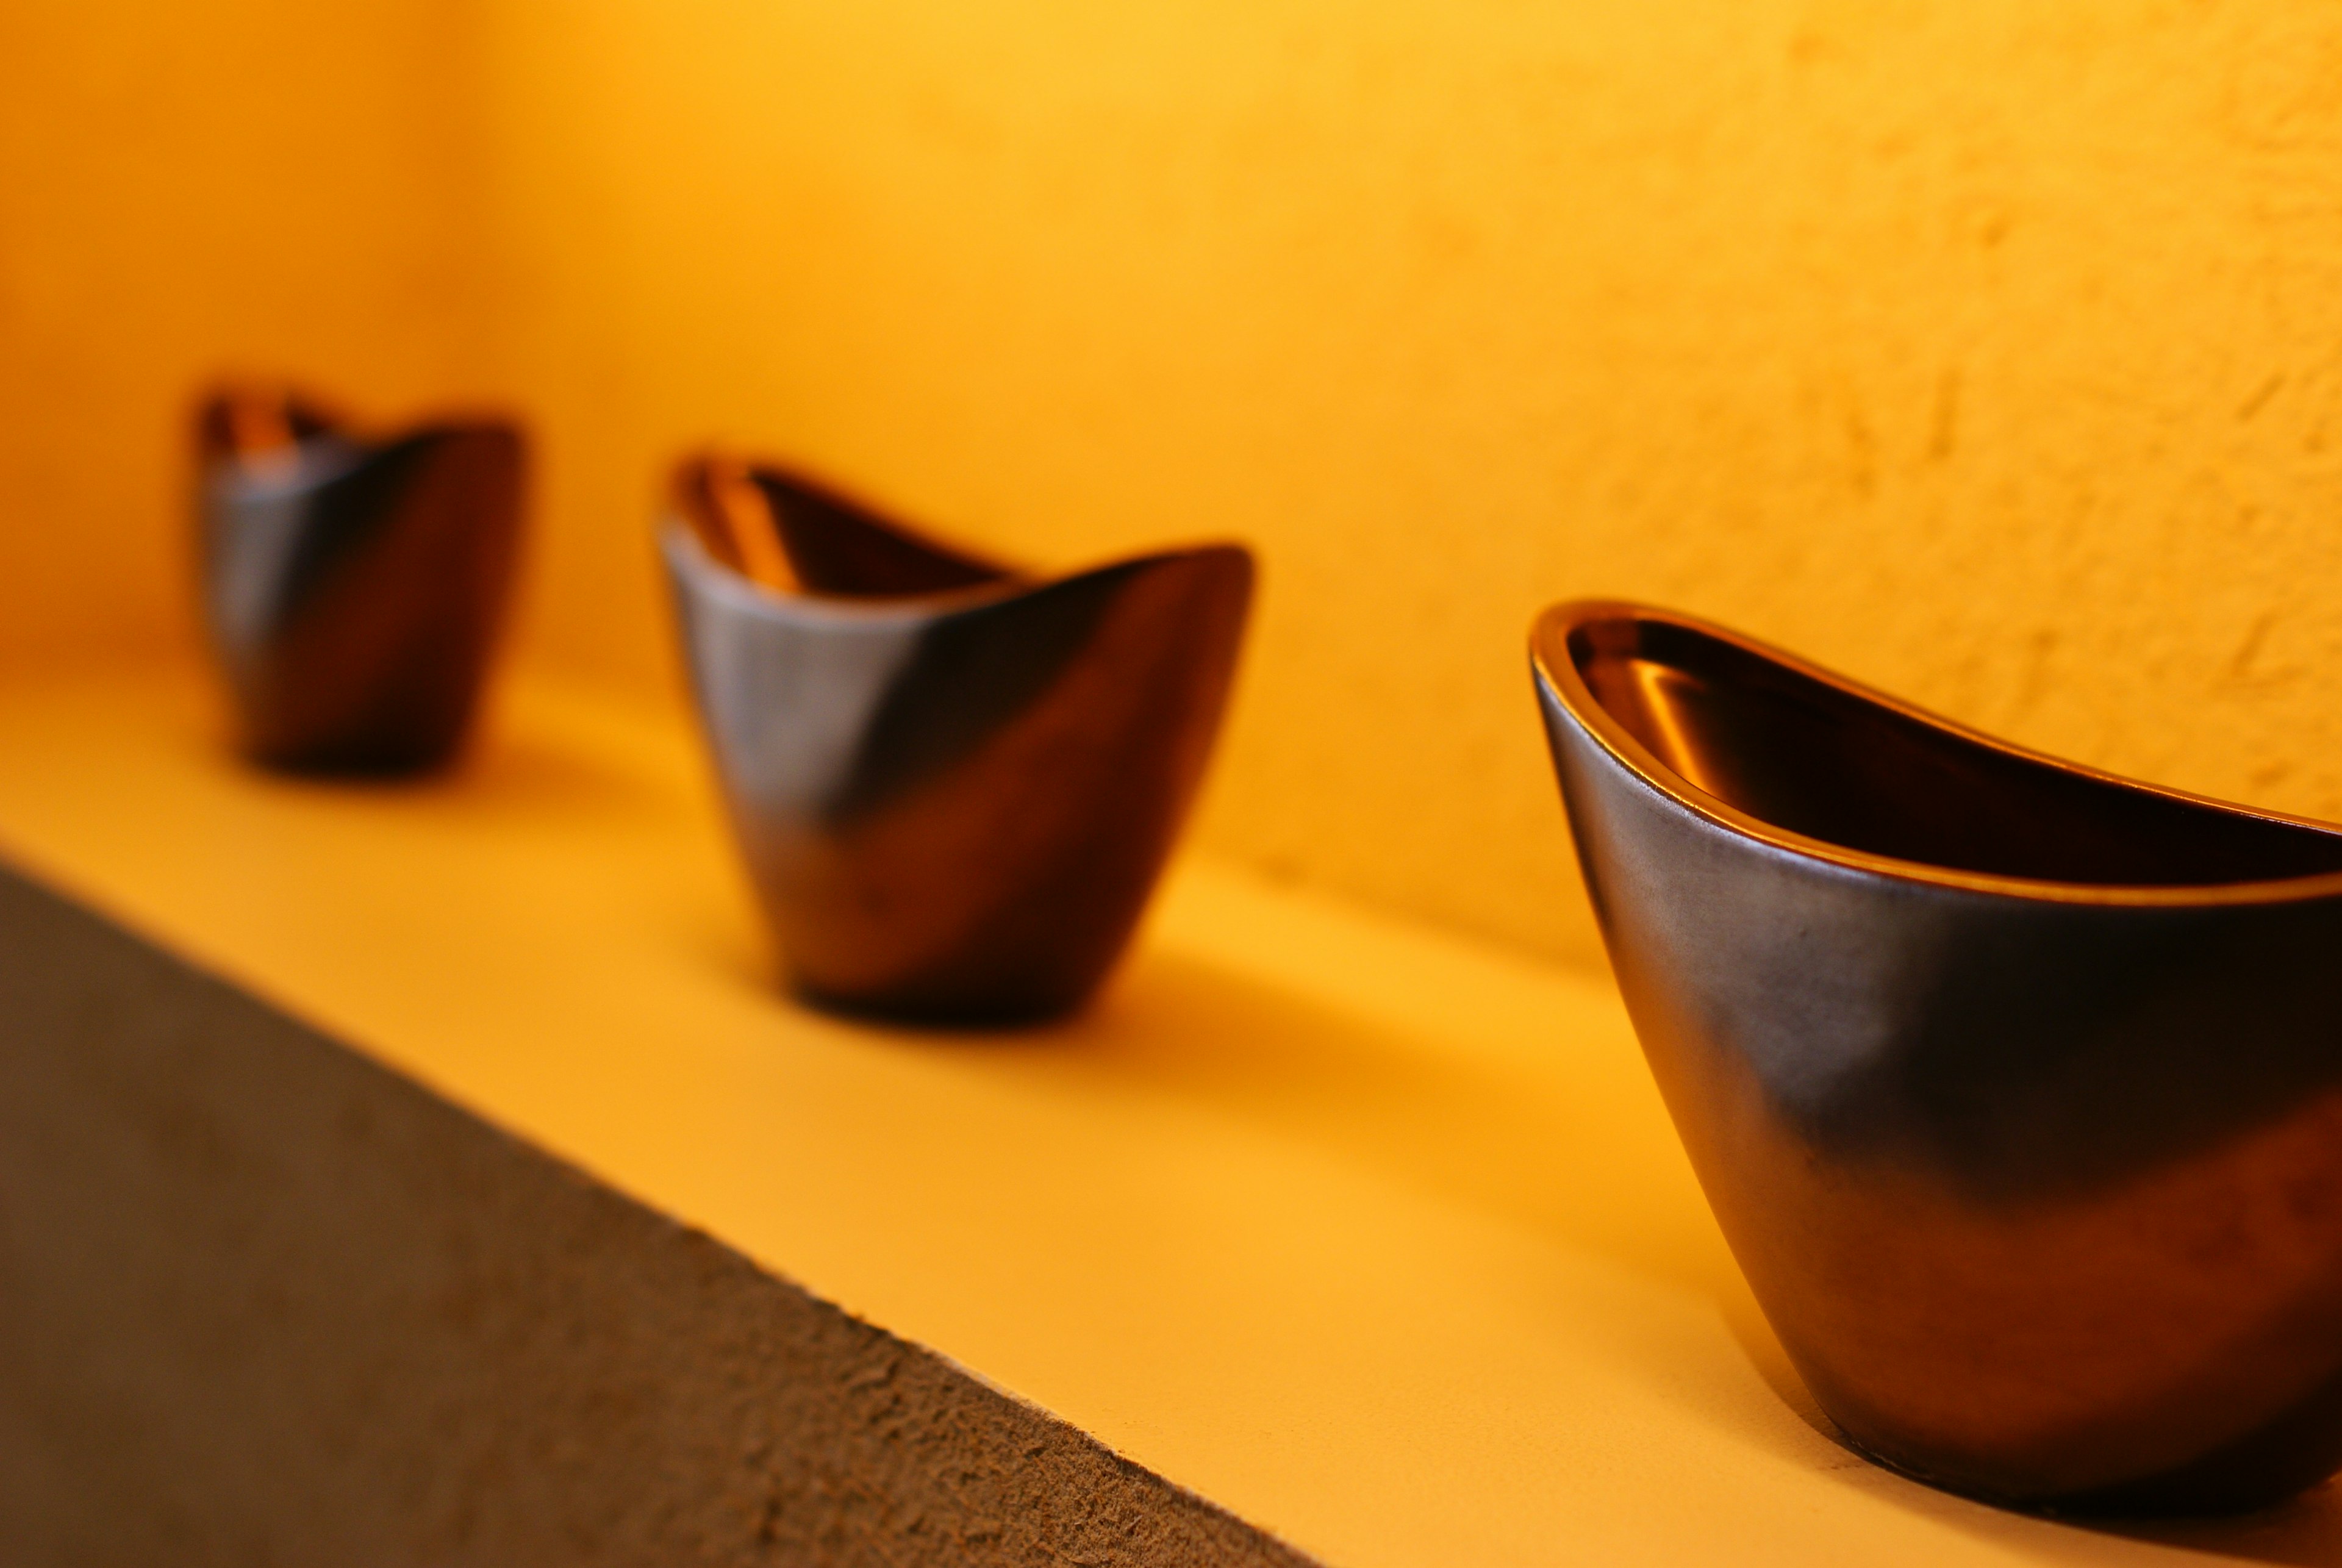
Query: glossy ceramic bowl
[[953, 785], [352, 588], [2016, 1087]]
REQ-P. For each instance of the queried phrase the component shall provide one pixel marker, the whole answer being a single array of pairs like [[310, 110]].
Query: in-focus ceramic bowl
[[953, 785], [353, 589], [2016, 1087]]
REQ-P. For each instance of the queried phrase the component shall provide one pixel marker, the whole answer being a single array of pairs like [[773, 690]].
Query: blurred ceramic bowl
[[2016, 1087], [352, 588], [953, 784]]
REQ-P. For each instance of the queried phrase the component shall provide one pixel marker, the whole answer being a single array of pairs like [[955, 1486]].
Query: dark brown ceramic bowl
[[953, 785], [352, 588], [2016, 1087]]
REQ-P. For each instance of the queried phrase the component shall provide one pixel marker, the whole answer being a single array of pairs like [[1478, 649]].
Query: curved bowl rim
[[229, 477], [692, 559], [1557, 674]]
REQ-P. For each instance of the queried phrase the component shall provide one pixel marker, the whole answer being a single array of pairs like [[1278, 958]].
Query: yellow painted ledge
[[1379, 1239]]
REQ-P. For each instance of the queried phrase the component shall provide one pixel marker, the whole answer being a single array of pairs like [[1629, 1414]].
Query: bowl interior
[[258, 424], [1798, 750], [795, 537]]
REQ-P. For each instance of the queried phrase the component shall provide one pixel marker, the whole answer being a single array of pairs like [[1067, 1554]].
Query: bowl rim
[[1556, 675], [692, 562]]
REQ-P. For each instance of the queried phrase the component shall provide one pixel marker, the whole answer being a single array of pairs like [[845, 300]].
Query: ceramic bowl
[[353, 587], [2016, 1087], [953, 784]]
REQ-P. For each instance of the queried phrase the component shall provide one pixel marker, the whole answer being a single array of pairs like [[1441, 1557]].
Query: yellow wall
[[1989, 350], [244, 185]]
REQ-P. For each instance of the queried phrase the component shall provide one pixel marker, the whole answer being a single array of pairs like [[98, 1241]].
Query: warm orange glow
[[1982, 350], [1968, 349]]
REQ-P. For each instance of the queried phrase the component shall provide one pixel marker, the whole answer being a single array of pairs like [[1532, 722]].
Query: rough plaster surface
[[262, 1301], [1989, 350]]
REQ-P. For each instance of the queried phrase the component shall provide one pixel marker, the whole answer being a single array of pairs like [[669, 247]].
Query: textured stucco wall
[[262, 1301], [1989, 350]]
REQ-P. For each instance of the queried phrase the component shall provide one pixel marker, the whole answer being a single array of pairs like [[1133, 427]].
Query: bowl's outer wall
[[2044, 1198], [957, 813], [361, 634]]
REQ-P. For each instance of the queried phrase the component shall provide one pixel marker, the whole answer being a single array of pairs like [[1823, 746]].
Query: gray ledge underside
[[263, 1302]]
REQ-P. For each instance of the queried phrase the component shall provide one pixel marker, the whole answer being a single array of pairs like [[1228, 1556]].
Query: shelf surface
[[1377, 1238]]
